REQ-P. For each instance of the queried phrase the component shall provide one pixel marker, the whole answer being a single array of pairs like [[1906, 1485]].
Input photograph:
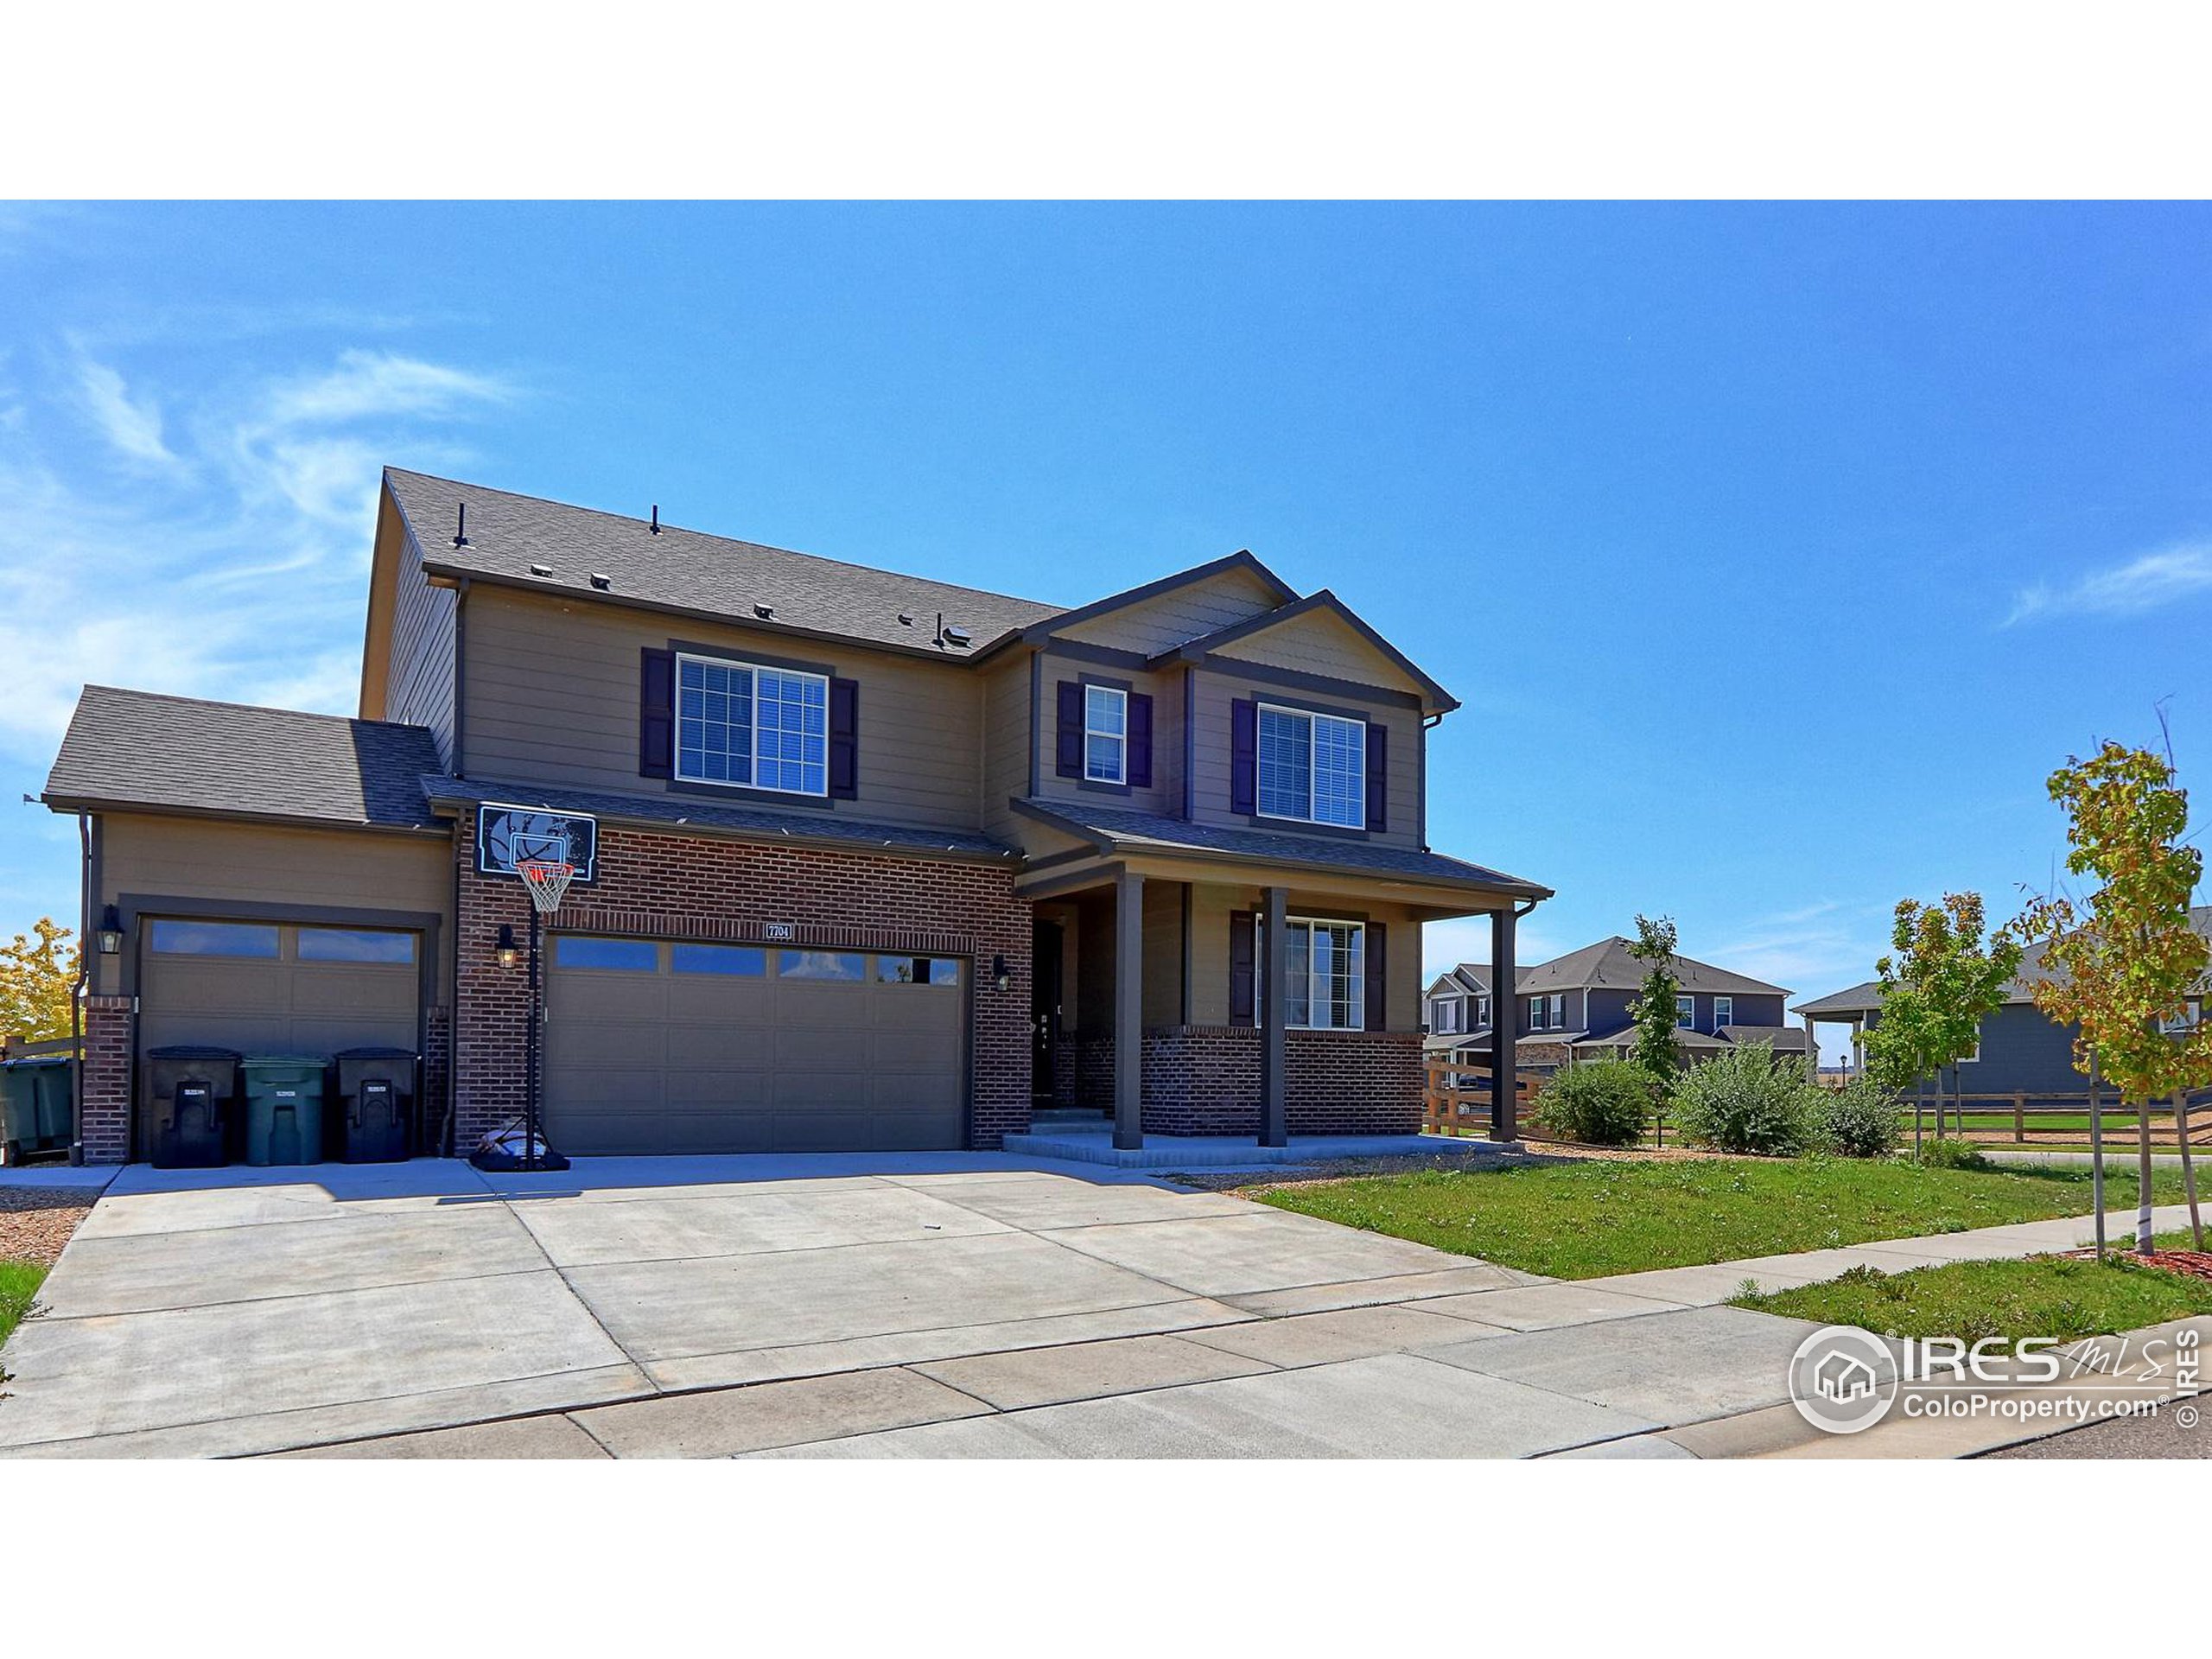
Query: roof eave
[[1046, 628], [1438, 700]]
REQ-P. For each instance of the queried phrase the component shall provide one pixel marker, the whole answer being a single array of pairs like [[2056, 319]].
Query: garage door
[[652, 1046], [268, 987]]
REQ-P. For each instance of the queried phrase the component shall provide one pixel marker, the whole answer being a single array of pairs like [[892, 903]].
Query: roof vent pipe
[[656, 524], [461, 525]]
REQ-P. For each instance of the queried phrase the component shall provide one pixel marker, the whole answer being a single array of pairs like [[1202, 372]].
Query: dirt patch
[[36, 1222]]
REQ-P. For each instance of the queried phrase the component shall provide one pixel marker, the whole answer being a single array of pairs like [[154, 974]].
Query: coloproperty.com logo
[[1844, 1379]]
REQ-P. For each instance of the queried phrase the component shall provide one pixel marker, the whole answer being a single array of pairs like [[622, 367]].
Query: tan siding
[[1216, 691], [1321, 642], [552, 699], [1211, 906], [419, 688], [1166, 690], [261, 864], [1163, 953], [1179, 615], [1007, 739]]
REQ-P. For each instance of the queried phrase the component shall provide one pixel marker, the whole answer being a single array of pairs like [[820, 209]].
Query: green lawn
[[2043, 1296], [19, 1282], [1586, 1219]]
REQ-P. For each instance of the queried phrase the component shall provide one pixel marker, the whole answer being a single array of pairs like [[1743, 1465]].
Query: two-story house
[[862, 860], [1580, 1006], [2021, 1050]]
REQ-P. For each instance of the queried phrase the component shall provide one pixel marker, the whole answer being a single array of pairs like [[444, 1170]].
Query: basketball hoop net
[[548, 882]]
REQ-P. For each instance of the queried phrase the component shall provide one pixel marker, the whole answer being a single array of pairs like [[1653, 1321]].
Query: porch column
[[1813, 1042], [1504, 1030], [1275, 1000], [1129, 1010]]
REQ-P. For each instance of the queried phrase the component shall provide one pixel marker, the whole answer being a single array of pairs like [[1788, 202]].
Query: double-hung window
[[1482, 1014], [1325, 987], [1723, 1012], [1447, 1017], [1312, 767], [1686, 1013], [1558, 1013], [762, 728], [1105, 734]]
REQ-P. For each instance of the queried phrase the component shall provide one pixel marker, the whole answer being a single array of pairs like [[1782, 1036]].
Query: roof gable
[[1319, 634], [1608, 965], [1158, 615]]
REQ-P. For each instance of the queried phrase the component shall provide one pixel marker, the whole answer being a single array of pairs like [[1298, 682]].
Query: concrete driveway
[[976, 1305]]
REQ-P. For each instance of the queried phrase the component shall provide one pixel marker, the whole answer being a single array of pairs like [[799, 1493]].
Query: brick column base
[[1205, 1080], [103, 1111]]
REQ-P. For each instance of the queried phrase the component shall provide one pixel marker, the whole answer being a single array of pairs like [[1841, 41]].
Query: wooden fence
[[2001, 1117], [1460, 1099]]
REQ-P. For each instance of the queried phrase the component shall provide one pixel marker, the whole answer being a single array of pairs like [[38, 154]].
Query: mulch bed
[[36, 1222], [2191, 1264]]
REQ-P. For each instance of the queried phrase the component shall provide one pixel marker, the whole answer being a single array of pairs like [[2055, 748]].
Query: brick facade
[[656, 886], [103, 1114], [1205, 1080]]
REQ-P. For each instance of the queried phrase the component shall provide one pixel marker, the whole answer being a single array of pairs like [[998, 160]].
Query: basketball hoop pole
[[547, 881]]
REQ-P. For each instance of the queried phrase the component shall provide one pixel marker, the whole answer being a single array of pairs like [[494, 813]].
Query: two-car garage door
[[660, 1046]]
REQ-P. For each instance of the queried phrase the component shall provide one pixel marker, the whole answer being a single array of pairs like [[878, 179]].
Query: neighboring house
[[2021, 1051], [866, 860], [1578, 1007]]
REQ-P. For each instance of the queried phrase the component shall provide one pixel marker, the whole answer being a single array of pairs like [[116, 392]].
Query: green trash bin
[[283, 1108], [52, 1079], [18, 1111]]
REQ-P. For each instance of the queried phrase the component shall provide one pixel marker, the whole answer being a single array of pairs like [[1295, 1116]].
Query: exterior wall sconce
[[999, 977], [507, 951], [110, 936]]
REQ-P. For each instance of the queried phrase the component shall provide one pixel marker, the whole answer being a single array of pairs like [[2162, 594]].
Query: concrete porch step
[[1238, 1152]]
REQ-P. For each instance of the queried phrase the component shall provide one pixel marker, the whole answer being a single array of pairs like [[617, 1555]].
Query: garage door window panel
[[842, 966], [739, 960], [608, 955], [243, 939], [917, 970], [356, 944]]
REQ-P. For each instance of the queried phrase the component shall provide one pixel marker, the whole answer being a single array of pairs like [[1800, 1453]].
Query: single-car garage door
[[652, 1046], [270, 988]]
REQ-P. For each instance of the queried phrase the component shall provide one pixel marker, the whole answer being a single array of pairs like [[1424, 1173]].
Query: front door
[[1044, 1009]]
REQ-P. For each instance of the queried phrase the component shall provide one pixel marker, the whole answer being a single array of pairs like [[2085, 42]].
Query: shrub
[[1747, 1098], [1600, 1103], [1859, 1121], [1952, 1154]]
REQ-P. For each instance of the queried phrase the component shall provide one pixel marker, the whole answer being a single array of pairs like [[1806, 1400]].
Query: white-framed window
[[1968, 1059], [1325, 989], [1312, 767], [1105, 734], [1558, 1011], [1536, 1014], [1446, 1016], [743, 723], [1723, 1012], [1482, 1014], [1686, 1013], [2191, 1012]]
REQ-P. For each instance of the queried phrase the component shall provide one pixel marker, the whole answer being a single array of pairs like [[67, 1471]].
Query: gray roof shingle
[[675, 812], [688, 570], [1122, 827], [1607, 965], [140, 749]]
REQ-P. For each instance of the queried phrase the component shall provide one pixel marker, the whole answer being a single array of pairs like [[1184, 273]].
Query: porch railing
[[1460, 1099]]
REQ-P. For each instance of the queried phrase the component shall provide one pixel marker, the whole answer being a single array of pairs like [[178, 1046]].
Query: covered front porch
[[1224, 1002]]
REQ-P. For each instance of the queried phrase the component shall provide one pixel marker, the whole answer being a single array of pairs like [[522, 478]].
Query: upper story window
[[1105, 734], [1686, 1013], [1446, 1020], [1558, 1012], [741, 723], [2190, 1014], [1312, 767], [1482, 1013], [1723, 1012]]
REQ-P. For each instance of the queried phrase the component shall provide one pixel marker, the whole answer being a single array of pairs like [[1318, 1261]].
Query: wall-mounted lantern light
[[1000, 977], [111, 932], [507, 951]]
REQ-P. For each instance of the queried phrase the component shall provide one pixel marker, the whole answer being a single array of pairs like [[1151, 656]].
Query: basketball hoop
[[548, 882]]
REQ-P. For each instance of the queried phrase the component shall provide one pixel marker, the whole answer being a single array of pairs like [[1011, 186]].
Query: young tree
[[2124, 960], [1944, 977], [37, 982], [1654, 1008]]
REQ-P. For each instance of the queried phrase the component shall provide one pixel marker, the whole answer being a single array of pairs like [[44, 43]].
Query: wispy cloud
[[132, 426], [183, 590], [2146, 583]]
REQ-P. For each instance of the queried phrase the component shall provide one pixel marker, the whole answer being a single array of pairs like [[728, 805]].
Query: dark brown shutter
[[1244, 1006], [1378, 1002], [656, 713], [1378, 775], [1067, 754], [1243, 756], [844, 739], [1140, 741]]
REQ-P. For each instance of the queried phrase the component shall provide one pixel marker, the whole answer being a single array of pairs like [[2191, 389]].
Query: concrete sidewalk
[[845, 1307]]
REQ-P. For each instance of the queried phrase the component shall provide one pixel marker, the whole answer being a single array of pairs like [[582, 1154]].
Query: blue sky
[[1777, 553]]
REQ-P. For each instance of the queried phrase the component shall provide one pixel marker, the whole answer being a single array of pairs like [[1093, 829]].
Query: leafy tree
[[2123, 960], [1944, 977], [38, 981], [1654, 1008]]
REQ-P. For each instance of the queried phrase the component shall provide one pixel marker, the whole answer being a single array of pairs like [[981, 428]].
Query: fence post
[[2020, 1119]]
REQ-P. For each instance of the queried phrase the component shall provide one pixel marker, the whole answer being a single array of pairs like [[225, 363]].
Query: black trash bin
[[191, 1099], [376, 1104]]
